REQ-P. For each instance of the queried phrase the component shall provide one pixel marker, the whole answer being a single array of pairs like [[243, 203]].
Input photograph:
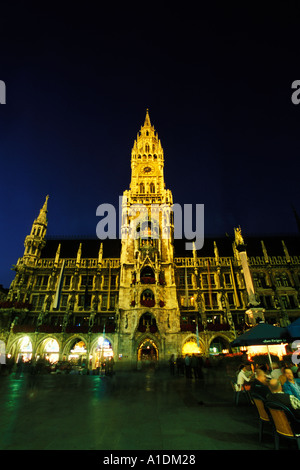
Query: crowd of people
[[190, 365], [279, 383]]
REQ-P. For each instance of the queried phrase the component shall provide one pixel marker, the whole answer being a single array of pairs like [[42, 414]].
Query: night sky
[[217, 82]]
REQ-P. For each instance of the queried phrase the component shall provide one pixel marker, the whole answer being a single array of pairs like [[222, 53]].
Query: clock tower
[[147, 168], [148, 307]]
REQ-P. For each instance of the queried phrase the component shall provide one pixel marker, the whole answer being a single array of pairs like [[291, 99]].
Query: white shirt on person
[[242, 378], [276, 373]]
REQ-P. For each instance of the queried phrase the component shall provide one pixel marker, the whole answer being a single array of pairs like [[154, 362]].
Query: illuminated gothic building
[[144, 297]]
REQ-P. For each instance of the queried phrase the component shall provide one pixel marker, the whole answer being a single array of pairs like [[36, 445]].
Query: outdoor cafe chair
[[259, 403], [285, 423], [237, 393]]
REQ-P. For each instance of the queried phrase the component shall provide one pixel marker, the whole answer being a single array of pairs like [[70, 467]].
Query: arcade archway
[[78, 352], [218, 345], [190, 347], [24, 349], [51, 350]]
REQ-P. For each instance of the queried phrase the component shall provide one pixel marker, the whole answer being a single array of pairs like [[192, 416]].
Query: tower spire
[[42, 217], [147, 163], [147, 122]]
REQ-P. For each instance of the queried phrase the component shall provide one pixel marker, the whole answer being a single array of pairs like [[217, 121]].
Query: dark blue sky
[[217, 82]]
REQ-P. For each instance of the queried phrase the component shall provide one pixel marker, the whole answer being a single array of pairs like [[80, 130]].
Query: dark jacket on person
[[259, 388]]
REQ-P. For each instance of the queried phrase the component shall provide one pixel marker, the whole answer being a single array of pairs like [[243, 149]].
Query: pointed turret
[[35, 242], [78, 257], [286, 253], [57, 255], [265, 253], [42, 218]]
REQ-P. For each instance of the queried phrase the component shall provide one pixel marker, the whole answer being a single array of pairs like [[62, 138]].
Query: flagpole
[[186, 286], [102, 346], [197, 334]]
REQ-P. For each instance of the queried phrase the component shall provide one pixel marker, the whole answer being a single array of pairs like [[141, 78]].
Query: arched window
[[147, 148], [152, 188], [147, 275], [146, 321], [142, 188], [147, 298]]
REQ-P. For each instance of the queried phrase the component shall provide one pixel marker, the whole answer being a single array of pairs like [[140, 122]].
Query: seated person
[[277, 395], [282, 379], [291, 385], [260, 383], [265, 368], [245, 375], [276, 372]]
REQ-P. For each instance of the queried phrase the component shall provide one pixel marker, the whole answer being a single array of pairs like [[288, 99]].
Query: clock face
[[147, 169]]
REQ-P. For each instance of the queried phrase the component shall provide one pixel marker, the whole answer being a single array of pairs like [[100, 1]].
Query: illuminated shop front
[[25, 349], [51, 350], [278, 350], [78, 352], [102, 351]]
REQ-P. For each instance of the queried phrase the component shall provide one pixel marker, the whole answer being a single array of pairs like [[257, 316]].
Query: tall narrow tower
[[148, 307]]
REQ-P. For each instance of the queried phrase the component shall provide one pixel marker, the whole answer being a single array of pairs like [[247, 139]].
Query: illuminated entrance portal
[[190, 347], [148, 352]]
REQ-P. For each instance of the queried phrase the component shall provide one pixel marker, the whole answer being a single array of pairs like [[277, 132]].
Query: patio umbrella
[[294, 329], [262, 334]]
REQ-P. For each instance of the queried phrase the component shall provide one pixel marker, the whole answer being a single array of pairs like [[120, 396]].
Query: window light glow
[[275, 349]]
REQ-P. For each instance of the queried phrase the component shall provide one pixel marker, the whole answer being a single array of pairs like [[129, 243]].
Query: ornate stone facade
[[152, 296]]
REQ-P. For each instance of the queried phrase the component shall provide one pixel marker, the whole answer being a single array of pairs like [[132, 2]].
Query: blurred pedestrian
[[187, 363], [172, 364], [180, 365], [194, 366], [19, 366]]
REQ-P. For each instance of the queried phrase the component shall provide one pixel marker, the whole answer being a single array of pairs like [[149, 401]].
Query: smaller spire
[[100, 254], [57, 255], [265, 253], [43, 212], [147, 119], [216, 252], [286, 253], [78, 258]]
